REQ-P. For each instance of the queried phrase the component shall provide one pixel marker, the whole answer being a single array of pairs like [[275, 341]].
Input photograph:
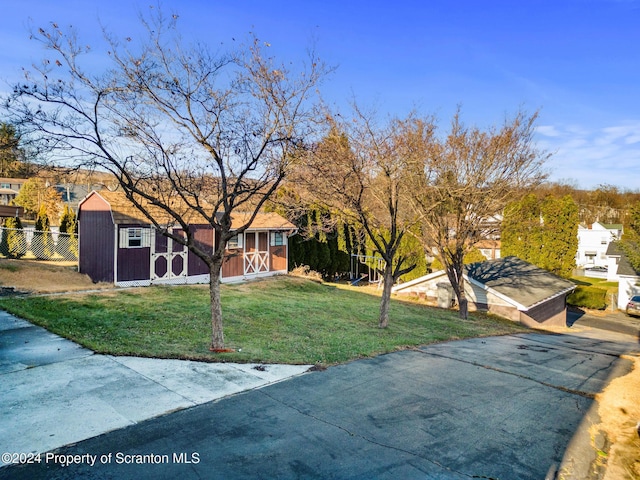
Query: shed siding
[[233, 265], [203, 236], [96, 240], [278, 260]]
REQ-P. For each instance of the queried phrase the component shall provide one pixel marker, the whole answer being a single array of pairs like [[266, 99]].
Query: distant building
[[621, 270], [9, 188], [593, 242]]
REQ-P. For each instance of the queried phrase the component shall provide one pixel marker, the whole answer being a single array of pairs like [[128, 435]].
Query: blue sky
[[576, 61]]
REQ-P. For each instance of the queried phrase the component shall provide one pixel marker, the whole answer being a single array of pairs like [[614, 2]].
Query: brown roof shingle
[[123, 212]]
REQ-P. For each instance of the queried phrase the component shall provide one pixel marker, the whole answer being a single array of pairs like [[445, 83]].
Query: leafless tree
[[193, 134], [468, 177], [359, 172]]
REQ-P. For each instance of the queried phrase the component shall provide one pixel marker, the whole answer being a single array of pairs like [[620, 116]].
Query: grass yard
[[611, 287], [277, 320]]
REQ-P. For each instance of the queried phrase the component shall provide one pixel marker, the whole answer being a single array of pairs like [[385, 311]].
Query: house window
[[5, 185], [277, 239], [235, 242], [135, 237]]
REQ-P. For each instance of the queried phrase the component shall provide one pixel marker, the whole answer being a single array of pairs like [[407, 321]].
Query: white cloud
[[548, 131], [592, 157]]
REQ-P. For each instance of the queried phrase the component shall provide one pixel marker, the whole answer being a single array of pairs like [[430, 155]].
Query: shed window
[[277, 239], [235, 242], [135, 237]]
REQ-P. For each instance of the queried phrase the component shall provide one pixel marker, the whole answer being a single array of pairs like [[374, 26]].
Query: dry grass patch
[[42, 277], [619, 411]]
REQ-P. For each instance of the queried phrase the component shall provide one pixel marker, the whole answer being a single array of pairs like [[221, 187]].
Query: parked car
[[633, 307], [597, 269]]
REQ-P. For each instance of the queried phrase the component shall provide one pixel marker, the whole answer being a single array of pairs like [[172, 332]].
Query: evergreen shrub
[[584, 296]]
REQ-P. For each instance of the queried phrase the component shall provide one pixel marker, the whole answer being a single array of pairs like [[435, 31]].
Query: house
[[508, 287], [593, 242], [9, 188], [490, 248], [117, 244], [620, 270]]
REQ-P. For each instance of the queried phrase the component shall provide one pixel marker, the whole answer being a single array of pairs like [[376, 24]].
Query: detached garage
[[508, 287]]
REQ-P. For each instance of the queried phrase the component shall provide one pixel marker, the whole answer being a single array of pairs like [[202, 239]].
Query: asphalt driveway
[[512, 407]]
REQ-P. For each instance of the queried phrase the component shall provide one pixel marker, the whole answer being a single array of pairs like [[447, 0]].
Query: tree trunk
[[463, 303], [456, 278], [386, 296], [217, 335]]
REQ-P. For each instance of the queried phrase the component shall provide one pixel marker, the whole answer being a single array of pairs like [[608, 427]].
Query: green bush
[[42, 241], [14, 243], [593, 298]]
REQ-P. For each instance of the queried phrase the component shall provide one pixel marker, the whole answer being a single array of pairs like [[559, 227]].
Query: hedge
[[593, 298]]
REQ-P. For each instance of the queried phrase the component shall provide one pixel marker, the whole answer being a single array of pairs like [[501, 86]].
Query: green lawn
[[278, 320], [610, 287]]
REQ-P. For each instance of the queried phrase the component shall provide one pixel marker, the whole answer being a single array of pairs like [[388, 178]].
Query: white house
[[593, 242], [621, 270]]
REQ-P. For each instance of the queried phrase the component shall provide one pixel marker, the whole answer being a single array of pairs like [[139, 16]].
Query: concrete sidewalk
[[55, 392]]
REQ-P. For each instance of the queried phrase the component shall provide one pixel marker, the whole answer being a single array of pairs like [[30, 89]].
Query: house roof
[[612, 226], [520, 281], [517, 282], [123, 211], [624, 266]]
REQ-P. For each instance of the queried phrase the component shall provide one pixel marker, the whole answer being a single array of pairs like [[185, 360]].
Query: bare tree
[[359, 172], [189, 133], [468, 178]]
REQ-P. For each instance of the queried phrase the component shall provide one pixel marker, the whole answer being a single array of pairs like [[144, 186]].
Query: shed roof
[[123, 211]]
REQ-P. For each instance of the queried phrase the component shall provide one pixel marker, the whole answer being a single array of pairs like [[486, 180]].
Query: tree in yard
[[559, 235], [630, 242], [520, 233], [358, 172], [36, 193], [193, 134], [67, 245], [14, 243], [472, 256], [14, 157], [466, 180], [543, 232], [42, 241]]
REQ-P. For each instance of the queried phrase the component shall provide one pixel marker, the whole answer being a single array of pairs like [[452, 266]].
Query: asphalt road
[[609, 321], [512, 407]]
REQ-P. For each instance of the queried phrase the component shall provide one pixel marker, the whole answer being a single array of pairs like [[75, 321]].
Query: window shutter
[[146, 237], [124, 238]]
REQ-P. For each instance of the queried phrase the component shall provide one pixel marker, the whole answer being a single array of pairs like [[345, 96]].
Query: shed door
[[256, 253], [168, 258]]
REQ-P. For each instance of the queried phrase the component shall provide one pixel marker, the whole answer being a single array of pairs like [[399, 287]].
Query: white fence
[[30, 244]]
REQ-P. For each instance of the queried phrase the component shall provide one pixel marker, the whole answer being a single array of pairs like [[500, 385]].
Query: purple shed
[[117, 244]]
